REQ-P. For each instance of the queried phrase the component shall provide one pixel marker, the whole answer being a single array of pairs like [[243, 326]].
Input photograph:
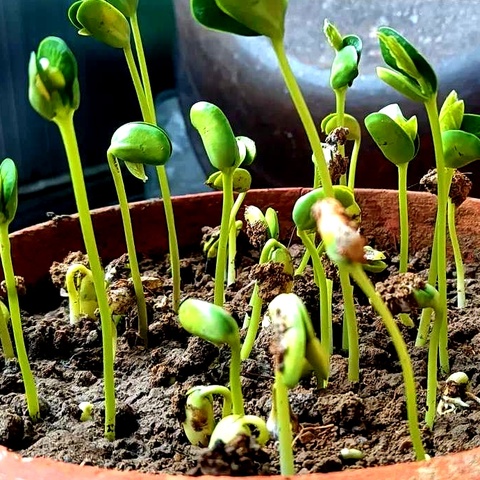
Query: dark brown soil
[[151, 385]]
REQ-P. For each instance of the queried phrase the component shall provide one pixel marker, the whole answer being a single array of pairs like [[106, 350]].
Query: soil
[[151, 384]]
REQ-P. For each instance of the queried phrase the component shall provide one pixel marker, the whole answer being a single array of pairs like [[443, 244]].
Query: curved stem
[[232, 238], [131, 250], [304, 113], [27, 375], [457, 253], [235, 381], [403, 209], [253, 324], [223, 239], [356, 271], [67, 130], [285, 440], [340, 100], [321, 281], [352, 329]]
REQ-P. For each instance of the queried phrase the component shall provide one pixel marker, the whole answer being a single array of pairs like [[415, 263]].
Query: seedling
[[456, 391], [294, 344], [136, 144], [112, 22], [54, 93], [214, 324], [223, 152], [8, 208], [82, 299], [199, 419], [344, 246], [86, 408]]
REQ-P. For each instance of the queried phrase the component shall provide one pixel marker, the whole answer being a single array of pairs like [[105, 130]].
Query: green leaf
[[394, 142], [217, 135], [105, 23], [9, 190], [286, 311], [209, 14], [402, 84], [250, 150], [471, 124], [402, 56], [53, 84], [72, 14], [141, 143], [344, 68], [266, 17], [451, 113], [137, 170], [242, 180], [330, 123], [209, 321], [302, 215], [354, 41], [127, 7], [334, 38], [460, 148]]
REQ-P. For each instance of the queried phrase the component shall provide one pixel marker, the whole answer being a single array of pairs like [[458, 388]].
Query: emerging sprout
[[86, 408], [456, 391], [199, 420], [80, 288], [351, 454], [233, 425]]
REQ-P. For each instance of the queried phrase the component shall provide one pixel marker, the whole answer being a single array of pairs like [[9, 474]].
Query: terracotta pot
[[35, 248]]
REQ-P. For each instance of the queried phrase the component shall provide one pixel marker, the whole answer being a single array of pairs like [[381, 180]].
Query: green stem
[[304, 114], [253, 324], [352, 329], [457, 253], [67, 130], [306, 257], [137, 39], [285, 440], [27, 376], [340, 101], [148, 114], [442, 198], [235, 381], [321, 281], [232, 238], [5, 339], [223, 239], [353, 164], [137, 83], [356, 271], [432, 369], [403, 208], [132, 253], [426, 316]]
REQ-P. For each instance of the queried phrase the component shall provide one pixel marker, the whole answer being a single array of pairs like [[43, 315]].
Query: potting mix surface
[[151, 383]]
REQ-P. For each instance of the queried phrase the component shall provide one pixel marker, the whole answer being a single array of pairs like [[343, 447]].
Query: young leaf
[[53, 84], [451, 113], [402, 84], [104, 22], [208, 321], [8, 190], [333, 35], [399, 54], [217, 135], [266, 17], [330, 123], [344, 68], [210, 15], [460, 148], [250, 150], [471, 124], [141, 143]]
